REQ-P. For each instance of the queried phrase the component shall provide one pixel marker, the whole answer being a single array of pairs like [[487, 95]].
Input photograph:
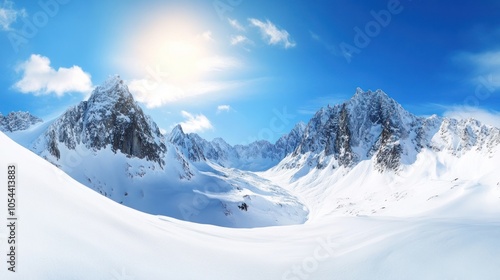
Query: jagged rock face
[[16, 121], [109, 118], [342, 147], [289, 142]]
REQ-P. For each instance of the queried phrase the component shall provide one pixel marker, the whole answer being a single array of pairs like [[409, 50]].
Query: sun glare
[[175, 46]]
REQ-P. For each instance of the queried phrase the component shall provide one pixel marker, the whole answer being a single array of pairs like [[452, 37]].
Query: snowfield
[[68, 231]]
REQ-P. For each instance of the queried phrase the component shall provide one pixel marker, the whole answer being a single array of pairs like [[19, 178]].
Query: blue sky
[[250, 69]]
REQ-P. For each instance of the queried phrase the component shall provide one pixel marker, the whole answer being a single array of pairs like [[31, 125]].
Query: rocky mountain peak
[[188, 144], [370, 124], [176, 135], [113, 91], [111, 118]]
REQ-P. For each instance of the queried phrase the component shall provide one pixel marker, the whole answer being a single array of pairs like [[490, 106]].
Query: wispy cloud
[[40, 78], [195, 123], [158, 89], [157, 94], [489, 117], [484, 67], [223, 108], [9, 15], [217, 63], [331, 48], [272, 34], [240, 39], [315, 36], [235, 24]]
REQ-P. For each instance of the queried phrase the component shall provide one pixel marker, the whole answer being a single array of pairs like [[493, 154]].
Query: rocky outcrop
[[17, 121]]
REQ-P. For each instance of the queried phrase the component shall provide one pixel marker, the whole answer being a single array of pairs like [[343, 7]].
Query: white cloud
[[485, 68], [240, 39], [223, 108], [159, 88], [9, 15], [157, 94], [272, 34], [235, 24], [40, 78], [195, 123], [465, 112], [217, 63]]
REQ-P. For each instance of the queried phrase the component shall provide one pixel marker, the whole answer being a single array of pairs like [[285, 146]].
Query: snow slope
[[67, 231]]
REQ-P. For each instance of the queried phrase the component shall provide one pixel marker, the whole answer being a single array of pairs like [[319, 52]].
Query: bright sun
[[172, 56], [173, 46]]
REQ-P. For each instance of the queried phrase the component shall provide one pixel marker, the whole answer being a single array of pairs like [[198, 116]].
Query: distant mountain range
[[110, 145], [16, 121]]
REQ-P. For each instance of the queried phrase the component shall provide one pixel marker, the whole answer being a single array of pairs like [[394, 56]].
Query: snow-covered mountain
[[110, 117], [108, 144], [368, 191], [16, 121], [372, 126], [369, 156]]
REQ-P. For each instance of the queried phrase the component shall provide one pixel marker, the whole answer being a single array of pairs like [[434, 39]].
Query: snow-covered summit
[[114, 88], [187, 145], [110, 117]]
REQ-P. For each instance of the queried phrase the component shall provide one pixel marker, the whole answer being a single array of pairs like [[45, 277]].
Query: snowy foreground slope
[[67, 231]]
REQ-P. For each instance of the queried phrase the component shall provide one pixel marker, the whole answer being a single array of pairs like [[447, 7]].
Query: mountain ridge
[[109, 134], [16, 121], [108, 144]]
